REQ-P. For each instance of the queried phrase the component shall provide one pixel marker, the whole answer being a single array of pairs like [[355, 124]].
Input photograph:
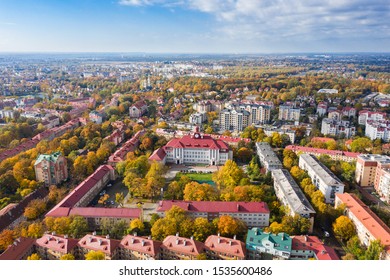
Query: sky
[[195, 26]]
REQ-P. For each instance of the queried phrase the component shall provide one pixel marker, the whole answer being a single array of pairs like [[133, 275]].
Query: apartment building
[[138, 109], [267, 246], [52, 169], [378, 130], [289, 113], [290, 194], [333, 154], [223, 248], [53, 247], [368, 225], [268, 157], [93, 242], [254, 214], [307, 247], [336, 127], [367, 167], [321, 177], [181, 248], [233, 119], [382, 183], [133, 247], [20, 249], [365, 115]]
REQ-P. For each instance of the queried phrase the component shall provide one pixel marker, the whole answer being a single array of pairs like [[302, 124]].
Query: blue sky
[[195, 26]]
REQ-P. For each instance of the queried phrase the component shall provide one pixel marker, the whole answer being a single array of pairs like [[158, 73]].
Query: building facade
[[290, 194], [133, 247], [223, 248], [180, 248], [138, 109], [321, 177], [331, 126], [268, 157], [233, 119], [53, 247], [52, 169], [254, 214], [289, 113]]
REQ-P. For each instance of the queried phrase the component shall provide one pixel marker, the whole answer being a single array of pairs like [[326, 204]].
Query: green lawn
[[197, 176]]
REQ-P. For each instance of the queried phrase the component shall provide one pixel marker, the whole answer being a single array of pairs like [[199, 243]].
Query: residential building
[[20, 249], [93, 242], [289, 113], [368, 225], [382, 183], [290, 194], [335, 114], [333, 154], [96, 117], [195, 148], [328, 91], [181, 248], [259, 114], [198, 118], [367, 168], [138, 109], [349, 112], [130, 146], [307, 247], [133, 247], [263, 245], [322, 108], [321, 177], [268, 157], [365, 115], [234, 120], [53, 247], [52, 169], [336, 127], [269, 131], [378, 130], [254, 214], [223, 248], [7, 114]]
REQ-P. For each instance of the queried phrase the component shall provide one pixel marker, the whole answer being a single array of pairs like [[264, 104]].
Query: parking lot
[[111, 189]]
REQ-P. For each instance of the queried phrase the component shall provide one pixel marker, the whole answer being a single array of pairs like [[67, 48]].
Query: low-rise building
[[51, 169], [268, 157], [290, 194], [138, 109], [96, 117], [368, 225], [333, 154], [306, 247], [20, 249], [93, 242], [181, 248], [263, 245], [133, 247], [53, 247], [337, 127], [223, 248], [321, 177], [254, 214]]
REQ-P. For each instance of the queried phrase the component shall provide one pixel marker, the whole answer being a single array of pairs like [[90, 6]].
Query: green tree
[[67, 257], [34, 257], [78, 226], [374, 250], [200, 192], [34, 209], [203, 229], [228, 176], [162, 228], [361, 145], [136, 225]]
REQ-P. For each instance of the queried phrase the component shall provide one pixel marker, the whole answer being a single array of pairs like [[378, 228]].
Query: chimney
[[57, 240], [100, 242], [149, 237], [234, 237], [305, 238], [132, 241], [185, 242], [53, 233], [219, 240], [219, 234], [192, 237], [94, 233], [135, 233], [177, 241], [143, 243], [230, 242], [177, 234], [107, 236], [66, 236], [238, 207]]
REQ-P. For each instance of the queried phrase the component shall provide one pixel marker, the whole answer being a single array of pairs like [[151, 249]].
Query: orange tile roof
[[99, 243], [141, 244], [183, 245], [313, 243], [225, 245], [368, 218]]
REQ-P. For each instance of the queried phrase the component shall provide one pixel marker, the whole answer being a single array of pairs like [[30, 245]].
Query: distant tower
[[149, 81]]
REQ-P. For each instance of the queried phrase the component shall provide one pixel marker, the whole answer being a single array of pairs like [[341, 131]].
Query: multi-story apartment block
[[20, 249], [268, 157], [289, 113], [333, 154], [180, 248], [321, 177], [264, 245], [133, 247], [51, 168], [368, 225], [93, 242], [322, 108], [269, 131], [197, 118], [365, 116], [335, 127], [382, 183], [232, 119], [253, 214], [222, 248], [195, 148], [378, 130], [53, 247], [259, 114], [367, 167], [290, 194], [138, 109]]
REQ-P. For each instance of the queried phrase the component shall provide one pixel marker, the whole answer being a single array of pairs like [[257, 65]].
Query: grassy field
[[197, 176]]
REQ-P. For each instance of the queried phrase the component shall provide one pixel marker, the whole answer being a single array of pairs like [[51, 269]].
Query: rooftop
[[99, 243], [313, 243], [292, 192], [57, 243], [225, 245], [141, 244], [183, 245]]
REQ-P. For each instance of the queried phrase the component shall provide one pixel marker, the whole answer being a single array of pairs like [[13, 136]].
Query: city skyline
[[188, 26]]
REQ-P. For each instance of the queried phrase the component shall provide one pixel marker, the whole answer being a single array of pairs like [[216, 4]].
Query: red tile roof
[[18, 249], [99, 243], [81, 190], [141, 244], [203, 142], [295, 148], [313, 243], [370, 221], [183, 245], [322, 139], [215, 206], [57, 243], [225, 245], [158, 155]]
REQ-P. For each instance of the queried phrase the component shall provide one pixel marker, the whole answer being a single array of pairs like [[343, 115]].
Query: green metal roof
[[256, 238], [48, 157]]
